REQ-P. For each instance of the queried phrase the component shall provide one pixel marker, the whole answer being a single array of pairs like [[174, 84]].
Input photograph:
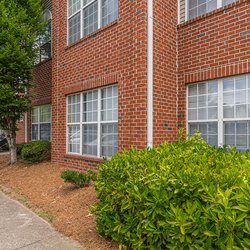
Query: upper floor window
[[86, 16], [44, 39], [189, 9]]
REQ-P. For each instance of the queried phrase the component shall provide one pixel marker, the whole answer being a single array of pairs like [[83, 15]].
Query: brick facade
[[210, 46]]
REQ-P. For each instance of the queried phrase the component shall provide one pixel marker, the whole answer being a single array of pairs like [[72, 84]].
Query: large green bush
[[19, 148], [180, 195], [36, 151]]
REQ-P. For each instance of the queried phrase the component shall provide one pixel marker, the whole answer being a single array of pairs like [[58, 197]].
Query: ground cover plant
[[181, 195], [77, 178]]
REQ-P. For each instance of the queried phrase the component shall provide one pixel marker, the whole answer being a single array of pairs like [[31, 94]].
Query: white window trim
[[220, 120], [81, 123], [39, 122]]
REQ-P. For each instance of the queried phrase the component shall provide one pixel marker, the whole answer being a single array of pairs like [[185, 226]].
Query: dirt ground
[[40, 187]]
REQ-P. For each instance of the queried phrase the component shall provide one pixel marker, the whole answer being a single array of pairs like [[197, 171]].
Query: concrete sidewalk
[[21, 229]]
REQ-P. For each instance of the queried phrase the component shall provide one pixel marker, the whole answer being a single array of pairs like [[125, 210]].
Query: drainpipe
[[150, 75], [26, 122], [26, 127]]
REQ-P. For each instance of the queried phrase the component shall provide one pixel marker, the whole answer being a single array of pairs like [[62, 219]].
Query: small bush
[[180, 195], [92, 175], [36, 151], [79, 179], [19, 148]]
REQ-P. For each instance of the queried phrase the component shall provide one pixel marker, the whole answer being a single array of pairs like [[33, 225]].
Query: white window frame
[[39, 122], [99, 122], [220, 120], [99, 2]]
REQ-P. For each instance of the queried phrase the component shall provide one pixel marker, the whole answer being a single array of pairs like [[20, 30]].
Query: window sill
[[83, 157], [93, 34], [40, 63], [204, 16]]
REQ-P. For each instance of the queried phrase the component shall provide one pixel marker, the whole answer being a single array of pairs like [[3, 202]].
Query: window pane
[[109, 139], [109, 104], [73, 6], [212, 5], [45, 113], [212, 87], [228, 112], [237, 134], [74, 25], [35, 115], [241, 111], [90, 103], [74, 108], [240, 97], [45, 131], [208, 130], [228, 84], [34, 133], [74, 138], [226, 2], [45, 51], [90, 139], [240, 82], [109, 11], [212, 100], [90, 18], [197, 8], [202, 101], [234, 93], [192, 90], [199, 96]]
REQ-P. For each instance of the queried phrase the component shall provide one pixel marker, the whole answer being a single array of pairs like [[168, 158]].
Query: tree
[[20, 24]]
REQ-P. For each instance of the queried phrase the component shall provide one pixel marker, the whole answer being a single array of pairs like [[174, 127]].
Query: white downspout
[[26, 127], [26, 122], [150, 75]]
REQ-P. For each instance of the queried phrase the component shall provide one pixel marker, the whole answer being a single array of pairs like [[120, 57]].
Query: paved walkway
[[21, 229]]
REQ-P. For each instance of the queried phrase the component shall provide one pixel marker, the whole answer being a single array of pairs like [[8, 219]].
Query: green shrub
[[79, 179], [92, 175], [180, 195], [19, 148], [36, 151]]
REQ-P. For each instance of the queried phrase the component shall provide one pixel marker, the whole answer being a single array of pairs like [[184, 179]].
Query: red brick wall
[[21, 132], [165, 70], [42, 79], [214, 45], [113, 54]]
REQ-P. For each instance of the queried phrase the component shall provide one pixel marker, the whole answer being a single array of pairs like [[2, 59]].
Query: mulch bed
[[42, 189]]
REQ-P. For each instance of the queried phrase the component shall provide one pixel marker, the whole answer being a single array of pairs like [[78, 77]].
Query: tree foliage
[[20, 24]]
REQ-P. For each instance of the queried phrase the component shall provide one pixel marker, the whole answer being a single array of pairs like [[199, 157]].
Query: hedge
[[36, 151], [181, 195]]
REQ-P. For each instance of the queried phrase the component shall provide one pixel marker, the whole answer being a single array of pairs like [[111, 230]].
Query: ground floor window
[[220, 110], [41, 123], [92, 122]]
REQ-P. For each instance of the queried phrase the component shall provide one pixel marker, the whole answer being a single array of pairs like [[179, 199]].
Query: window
[[86, 16], [44, 39], [220, 110], [41, 123], [198, 7], [92, 122]]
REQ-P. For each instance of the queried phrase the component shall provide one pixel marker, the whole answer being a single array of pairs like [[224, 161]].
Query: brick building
[[130, 73]]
